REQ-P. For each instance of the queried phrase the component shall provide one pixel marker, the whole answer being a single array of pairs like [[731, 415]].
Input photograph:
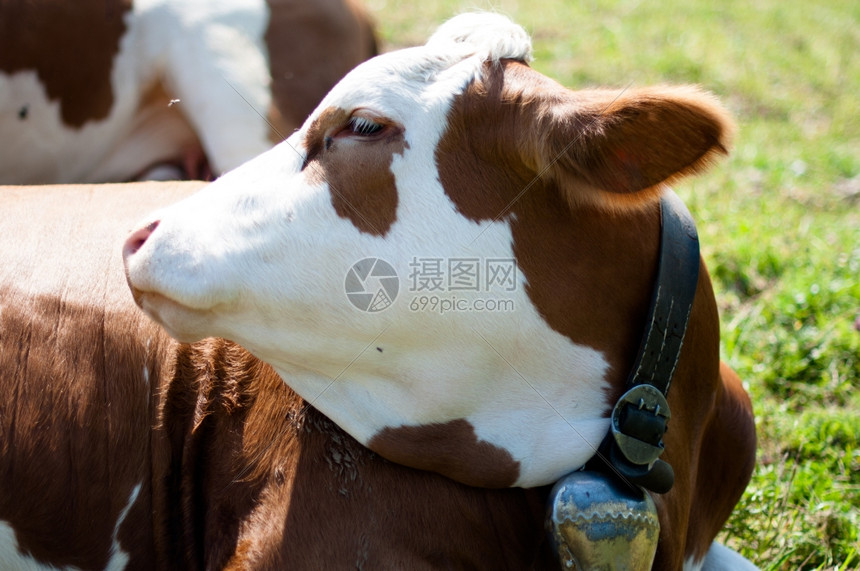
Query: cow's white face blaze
[[510, 394]]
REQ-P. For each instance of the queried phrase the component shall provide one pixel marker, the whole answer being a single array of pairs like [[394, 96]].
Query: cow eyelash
[[363, 127]]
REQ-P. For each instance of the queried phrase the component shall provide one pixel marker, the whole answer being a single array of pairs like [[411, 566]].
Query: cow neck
[[639, 419]]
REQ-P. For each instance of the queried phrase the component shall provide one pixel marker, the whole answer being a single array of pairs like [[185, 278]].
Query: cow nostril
[[138, 239]]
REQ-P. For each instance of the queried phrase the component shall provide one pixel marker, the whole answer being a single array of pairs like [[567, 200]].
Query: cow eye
[[364, 127]]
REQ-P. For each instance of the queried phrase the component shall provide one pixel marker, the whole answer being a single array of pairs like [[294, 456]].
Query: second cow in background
[[98, 91]]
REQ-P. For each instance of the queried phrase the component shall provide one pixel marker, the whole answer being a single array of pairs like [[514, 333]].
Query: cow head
[[507, 226]]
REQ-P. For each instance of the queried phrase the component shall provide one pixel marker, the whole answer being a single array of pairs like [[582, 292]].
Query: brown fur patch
[[57, 372], [71, 46], [357, 170], [311, 46], [611, 149], [643, 139], [730, 440], [589, 272], [450, 448]]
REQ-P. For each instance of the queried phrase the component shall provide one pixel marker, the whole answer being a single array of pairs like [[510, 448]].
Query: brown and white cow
[[122, 447], [458, 152], [113, 90]]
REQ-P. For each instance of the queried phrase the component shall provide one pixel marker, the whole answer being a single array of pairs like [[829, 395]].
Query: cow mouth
[[182, 322]]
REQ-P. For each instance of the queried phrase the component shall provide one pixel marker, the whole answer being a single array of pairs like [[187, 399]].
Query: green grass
[[779, 222]]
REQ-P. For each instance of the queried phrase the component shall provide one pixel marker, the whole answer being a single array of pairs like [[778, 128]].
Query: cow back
[[77, 367]]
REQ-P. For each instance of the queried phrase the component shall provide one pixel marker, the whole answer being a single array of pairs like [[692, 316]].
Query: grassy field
[[779, 223]]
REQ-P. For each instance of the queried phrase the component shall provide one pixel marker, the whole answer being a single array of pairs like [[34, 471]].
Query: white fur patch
[[720, 558], [492, 36], [12, 559]]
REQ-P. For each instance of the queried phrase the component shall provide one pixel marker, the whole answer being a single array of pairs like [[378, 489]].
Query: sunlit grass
[[779, 223]]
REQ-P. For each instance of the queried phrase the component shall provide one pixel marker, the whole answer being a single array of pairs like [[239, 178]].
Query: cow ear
[[619, 148]]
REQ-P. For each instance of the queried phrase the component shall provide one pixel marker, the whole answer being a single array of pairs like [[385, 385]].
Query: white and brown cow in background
[[459, 150], [114, 90]]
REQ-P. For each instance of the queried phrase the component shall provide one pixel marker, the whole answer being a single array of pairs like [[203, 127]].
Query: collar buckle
[[638, 422]]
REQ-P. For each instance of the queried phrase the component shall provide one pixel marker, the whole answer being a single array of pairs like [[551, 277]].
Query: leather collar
[[634, 443]]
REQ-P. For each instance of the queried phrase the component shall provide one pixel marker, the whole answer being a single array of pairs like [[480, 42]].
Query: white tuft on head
[[491, 35]]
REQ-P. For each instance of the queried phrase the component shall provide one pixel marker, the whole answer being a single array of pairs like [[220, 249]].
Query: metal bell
[[596, 522]]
